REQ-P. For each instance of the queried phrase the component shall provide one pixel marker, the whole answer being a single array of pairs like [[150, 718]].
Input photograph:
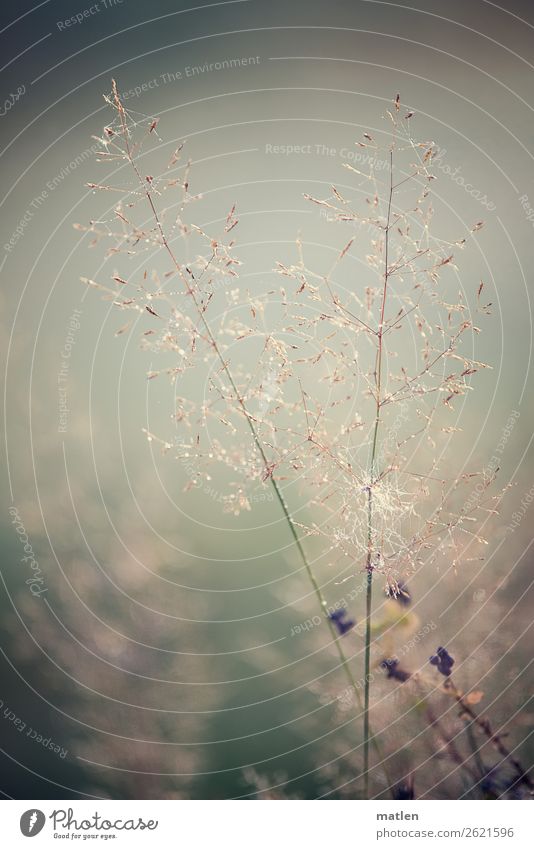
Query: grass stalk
[[269, 475], [372, 479]]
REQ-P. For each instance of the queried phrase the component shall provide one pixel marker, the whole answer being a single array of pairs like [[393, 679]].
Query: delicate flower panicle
[[419, 514], [300, 351]]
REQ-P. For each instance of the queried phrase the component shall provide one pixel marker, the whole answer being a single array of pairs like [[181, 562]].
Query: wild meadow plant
[[487, 776], [345, 382]]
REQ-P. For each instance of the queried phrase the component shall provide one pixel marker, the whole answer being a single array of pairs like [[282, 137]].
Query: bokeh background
[[160, 662]]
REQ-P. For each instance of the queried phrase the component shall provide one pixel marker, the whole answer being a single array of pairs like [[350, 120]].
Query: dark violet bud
[[337, 615], [347, 625], [404, 789], [443, 660], [341, 621], [391, 666]]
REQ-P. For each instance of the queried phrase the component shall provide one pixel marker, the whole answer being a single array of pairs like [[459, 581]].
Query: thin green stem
[[372, 478], [255, 435], [367, 679]]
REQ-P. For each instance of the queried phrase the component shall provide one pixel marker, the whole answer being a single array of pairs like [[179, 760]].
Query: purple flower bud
[[391, 665], [337, 615], [341, 622], [443, 660]]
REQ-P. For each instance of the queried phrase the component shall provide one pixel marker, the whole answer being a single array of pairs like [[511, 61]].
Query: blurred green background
[[161, 657]]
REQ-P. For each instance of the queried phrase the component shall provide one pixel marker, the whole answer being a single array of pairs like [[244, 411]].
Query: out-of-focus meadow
[[161, 638]]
